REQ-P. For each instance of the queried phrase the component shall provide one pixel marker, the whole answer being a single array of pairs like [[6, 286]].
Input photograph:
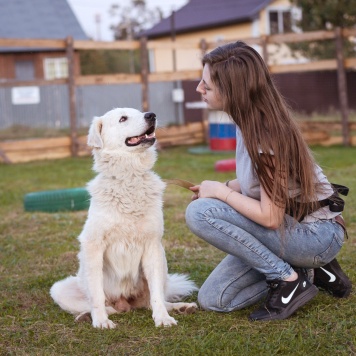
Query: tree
[[325, 15], [133, 18]]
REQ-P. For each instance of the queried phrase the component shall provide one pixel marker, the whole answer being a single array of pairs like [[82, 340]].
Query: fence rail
[[69, 46]]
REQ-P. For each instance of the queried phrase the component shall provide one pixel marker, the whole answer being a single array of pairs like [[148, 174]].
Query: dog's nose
[[150, 116]]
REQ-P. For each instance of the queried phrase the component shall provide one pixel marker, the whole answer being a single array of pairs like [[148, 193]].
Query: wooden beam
[[304, 67], [172, 45], [32, 43], [300, 37], [169, 76], [114, 45], [122, 78], [37, 82]]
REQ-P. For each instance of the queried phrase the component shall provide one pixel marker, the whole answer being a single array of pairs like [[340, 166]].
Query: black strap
[[335, 203]]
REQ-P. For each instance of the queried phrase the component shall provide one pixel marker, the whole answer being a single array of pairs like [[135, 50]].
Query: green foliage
[[109, 62], [325, 15], [37, 249]]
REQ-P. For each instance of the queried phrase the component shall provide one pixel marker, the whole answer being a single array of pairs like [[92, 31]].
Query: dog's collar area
[[147, 137]]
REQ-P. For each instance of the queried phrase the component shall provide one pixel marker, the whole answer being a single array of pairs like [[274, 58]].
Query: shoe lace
[[273, 291]]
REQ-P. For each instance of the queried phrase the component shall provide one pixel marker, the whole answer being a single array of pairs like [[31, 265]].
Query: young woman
[[274, 220]]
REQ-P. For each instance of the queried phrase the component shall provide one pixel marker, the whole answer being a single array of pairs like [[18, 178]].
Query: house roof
[[202, 14], [40, 19]]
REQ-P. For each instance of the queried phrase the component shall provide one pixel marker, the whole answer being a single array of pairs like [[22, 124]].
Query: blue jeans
[[256, 253]]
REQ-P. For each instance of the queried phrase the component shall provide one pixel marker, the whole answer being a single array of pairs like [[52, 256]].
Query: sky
[[87, 11]]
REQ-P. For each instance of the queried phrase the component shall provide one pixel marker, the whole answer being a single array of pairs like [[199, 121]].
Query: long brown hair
[[251, 99]]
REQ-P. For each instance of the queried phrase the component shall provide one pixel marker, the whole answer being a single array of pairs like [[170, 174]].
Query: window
[[55, 68], [280, 21], [24, 70]]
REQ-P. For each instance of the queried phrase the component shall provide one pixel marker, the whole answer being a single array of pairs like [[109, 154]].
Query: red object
[[222, 144], [225, 165]]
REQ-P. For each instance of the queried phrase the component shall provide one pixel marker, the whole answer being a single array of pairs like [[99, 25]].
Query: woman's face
[[209, 91]]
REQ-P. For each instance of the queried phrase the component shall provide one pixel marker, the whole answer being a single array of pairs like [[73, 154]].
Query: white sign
[[25, 95], [196, 105], [178, 95]]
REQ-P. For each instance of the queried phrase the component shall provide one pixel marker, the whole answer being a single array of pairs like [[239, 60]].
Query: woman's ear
[[94, 136]]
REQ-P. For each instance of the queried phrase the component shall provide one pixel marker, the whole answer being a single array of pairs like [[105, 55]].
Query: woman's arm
[[262, 212]]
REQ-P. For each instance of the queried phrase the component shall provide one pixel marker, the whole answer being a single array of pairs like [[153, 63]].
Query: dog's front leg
[[91, 259], [155, 269]]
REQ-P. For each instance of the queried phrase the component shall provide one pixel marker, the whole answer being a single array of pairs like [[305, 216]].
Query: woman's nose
[[199, 88]]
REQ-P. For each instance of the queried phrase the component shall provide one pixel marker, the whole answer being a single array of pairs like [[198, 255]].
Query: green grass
[[37, 249]]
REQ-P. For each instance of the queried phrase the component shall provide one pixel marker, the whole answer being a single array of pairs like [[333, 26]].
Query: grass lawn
[[37, 249]]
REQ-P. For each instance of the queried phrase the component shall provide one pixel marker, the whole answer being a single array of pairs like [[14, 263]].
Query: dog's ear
[[94, 136]]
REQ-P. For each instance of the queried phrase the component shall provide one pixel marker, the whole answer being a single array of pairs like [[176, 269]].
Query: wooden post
[[264, 44], [205, 119], [72, 97], [144, 73], [342, 86]]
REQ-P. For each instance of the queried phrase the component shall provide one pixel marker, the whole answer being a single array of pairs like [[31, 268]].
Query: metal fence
[[51, 110]]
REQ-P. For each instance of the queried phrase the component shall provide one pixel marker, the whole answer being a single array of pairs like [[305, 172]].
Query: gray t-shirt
[[250, 185]]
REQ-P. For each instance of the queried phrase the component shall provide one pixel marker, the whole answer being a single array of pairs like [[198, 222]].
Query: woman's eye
[[123, 119]]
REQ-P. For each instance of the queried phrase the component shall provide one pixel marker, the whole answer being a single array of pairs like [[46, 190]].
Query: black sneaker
[[332, 279], [284, 298]]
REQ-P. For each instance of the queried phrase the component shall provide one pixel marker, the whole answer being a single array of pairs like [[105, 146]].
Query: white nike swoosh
[[332, 276], [287, 300]]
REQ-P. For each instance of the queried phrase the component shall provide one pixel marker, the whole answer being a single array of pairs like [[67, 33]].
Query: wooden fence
[[70, 46]]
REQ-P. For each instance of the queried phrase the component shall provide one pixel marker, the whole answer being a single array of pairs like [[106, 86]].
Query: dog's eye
[[123, 118]]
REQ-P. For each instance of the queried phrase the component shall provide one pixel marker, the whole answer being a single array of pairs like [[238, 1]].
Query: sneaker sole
[[292, 307]]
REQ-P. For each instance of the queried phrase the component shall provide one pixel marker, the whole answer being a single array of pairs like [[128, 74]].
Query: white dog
[[122, 263]]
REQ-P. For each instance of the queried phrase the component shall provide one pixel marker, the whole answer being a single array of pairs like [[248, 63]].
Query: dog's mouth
[[148, 137]]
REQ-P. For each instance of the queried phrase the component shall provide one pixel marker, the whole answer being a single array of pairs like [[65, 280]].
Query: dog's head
[[123, 129]]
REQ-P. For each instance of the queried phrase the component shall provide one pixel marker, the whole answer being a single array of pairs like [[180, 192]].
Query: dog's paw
[[104, 324], [187, 308], [165, 321]]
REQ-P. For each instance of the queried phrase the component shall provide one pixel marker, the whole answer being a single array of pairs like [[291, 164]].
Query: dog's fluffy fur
[[122, 263]]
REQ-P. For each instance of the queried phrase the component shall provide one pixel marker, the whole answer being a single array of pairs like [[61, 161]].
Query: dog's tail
[[178, 286]]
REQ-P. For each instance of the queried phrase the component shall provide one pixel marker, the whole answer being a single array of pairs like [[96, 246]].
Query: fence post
[[72, 97], [144, 73], [264, 45], [342, 86], [204, 48]]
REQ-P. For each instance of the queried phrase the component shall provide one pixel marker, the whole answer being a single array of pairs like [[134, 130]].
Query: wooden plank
[[348, 32], [107, 79], [304, 67], [32, 43], [37, 82], [22, 156], [170, 76], [300, 37], [113, 45], [34, 144], [350, 63], [170, 45]]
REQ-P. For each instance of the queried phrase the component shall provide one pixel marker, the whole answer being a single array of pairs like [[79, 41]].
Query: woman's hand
[[195, 189], [207, 189]]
